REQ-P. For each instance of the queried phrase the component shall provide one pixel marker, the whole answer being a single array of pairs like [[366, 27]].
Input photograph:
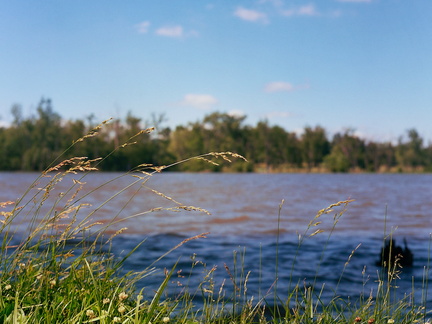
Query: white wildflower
[[123, 296], [90, 313]]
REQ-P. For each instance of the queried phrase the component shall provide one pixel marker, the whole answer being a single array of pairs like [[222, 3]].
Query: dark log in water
[[394, 255]]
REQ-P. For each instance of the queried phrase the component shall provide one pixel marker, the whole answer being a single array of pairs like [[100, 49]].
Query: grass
[[59, 269]]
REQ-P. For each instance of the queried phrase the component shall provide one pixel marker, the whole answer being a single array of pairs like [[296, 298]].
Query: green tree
[[347, 152], [337, 161], [274, 146], [379, 156], [315, 146], [16, 140], [410, 153], [187, 142], [223, 132]]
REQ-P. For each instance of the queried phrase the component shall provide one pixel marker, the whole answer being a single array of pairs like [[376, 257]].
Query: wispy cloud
[[251, 15], [170, 31], [143, 27], [281, 86], [306, 10], [200, 101], [236, 113]]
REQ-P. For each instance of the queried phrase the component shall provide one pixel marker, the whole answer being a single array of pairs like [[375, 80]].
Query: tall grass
[[57, 267]]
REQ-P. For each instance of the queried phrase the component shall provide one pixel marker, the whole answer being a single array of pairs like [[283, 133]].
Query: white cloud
[[251, 15], [307, 10], [279, 86], [200, 101], [143, 27], [170, 31]]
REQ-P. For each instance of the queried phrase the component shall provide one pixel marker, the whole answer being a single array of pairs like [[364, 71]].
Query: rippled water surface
[[243, 224]]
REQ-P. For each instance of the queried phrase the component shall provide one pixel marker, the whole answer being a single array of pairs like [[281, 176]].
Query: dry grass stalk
[[93, 132], [225, 155], [193, 208], [202, 235], [164, 196], [118, 232]]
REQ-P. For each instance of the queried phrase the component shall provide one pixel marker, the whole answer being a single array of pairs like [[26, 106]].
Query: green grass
[[61, 269]]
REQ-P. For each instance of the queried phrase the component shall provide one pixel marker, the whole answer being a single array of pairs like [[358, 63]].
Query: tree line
[[32, 143]]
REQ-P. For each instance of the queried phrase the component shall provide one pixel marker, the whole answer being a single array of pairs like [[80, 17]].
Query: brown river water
[[243, 217]]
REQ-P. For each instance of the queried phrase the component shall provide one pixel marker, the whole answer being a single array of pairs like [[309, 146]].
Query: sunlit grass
[[61, 269]]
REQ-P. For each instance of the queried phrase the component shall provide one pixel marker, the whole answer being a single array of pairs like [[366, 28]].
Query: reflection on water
[[244, 218]]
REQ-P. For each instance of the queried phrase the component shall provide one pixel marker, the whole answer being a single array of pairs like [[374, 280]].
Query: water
[[243, 226]]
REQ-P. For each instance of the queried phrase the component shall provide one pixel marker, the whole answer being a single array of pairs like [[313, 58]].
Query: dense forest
[[32, 143]]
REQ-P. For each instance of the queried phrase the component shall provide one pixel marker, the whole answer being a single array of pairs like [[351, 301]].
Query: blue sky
[[360, 64]]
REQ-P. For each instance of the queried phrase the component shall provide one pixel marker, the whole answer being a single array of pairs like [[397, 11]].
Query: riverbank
[[263, 168]]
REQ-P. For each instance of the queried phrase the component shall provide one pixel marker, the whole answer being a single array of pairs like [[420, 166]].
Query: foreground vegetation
[[56, 271], [31, 143]]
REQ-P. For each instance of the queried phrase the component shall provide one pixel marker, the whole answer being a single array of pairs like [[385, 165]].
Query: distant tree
[[410, 153], [16, 112], [15, 140], [315, 146], [32, 143], [223, 132], [274, 146], [351, 147], [260, 140], [337, 161], [379, 156], [187, 142], [160, 138], [428, 157]]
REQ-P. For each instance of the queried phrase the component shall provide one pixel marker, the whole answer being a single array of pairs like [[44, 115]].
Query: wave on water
[[335, 271]]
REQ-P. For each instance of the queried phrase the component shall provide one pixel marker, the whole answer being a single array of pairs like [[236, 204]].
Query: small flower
[[121, 309], [390, 321], [105, 301], [357, 319], [371, 320], [117, 319], [123, 296], [165, 319], [90, 313], [53, 283], [7, 287]]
